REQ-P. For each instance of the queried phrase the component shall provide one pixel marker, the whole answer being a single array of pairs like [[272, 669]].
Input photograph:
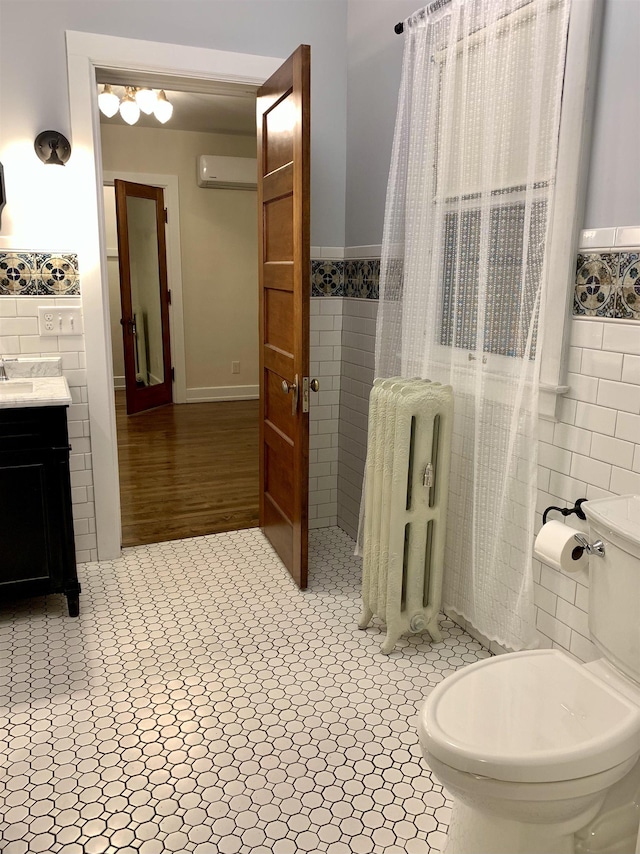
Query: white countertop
[[45, 391]]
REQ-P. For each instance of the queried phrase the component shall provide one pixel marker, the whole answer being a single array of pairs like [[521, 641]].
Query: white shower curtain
[[464, 273]]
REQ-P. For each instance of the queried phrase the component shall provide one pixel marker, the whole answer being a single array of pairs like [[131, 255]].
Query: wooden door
[[144, 295], [283, 206]]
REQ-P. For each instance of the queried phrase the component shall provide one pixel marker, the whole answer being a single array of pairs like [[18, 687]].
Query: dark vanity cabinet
[[37, 549]]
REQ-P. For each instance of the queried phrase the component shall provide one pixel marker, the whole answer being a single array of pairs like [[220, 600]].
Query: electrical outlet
[[60, 320], [235, 367]]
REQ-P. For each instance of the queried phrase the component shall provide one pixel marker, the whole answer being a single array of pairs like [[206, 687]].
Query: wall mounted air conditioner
[[227, 173]]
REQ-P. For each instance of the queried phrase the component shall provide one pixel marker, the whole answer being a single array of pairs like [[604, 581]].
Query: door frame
[[170, 185], [86, 53]]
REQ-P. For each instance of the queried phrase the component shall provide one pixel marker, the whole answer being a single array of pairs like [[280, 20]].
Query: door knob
[[315, 385], [286, 388]]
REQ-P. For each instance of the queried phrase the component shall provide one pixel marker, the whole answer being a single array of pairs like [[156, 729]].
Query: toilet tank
[[614, 581]]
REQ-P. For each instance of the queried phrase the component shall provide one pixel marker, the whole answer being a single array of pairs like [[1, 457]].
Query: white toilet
[[539, 752]]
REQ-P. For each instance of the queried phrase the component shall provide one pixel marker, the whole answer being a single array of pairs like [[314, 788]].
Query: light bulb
[[146, 99], [108, 101], [163, 108], [129, 110]]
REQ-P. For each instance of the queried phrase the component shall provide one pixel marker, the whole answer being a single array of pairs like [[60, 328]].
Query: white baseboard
[[226, 392], [118, 382]]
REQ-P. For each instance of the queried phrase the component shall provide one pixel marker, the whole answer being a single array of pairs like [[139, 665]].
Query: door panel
[[283, 204], [144, 295]]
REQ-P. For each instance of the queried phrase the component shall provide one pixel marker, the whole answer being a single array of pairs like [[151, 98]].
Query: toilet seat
[[534, 716]]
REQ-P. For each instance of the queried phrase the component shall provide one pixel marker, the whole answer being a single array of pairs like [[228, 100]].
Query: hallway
[[201, 703], [187, 470]]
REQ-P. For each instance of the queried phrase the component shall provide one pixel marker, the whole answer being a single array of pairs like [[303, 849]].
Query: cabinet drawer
[[33, 427]]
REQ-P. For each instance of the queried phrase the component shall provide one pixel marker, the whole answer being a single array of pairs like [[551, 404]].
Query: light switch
[[60, 320]]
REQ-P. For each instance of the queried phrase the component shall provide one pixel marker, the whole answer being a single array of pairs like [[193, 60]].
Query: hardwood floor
[[187, 470]]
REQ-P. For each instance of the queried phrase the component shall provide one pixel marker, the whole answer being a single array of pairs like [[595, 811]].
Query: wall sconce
[[3, 198], [52, 147]]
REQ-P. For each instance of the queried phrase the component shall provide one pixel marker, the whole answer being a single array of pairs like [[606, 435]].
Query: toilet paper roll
[[556, 546]]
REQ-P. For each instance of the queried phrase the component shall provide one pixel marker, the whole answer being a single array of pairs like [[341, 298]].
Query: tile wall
[[358, 353], [594, 448], [19, 337], [348, 288], [324, 364]]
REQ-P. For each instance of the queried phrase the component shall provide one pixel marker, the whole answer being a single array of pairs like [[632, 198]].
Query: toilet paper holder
[[567, 511], [592, 549]]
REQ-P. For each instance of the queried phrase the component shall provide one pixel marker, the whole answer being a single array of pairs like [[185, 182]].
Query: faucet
[[3, 374]]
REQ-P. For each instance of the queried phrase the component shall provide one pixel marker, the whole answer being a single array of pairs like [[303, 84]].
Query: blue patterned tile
[[57, 274], [362, 278], [17, 273], [327, 278], [596, 284], [628, 296]]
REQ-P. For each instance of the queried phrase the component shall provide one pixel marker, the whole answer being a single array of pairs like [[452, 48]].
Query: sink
[[12, 387]]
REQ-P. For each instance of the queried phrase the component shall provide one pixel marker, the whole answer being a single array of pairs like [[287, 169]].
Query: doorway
[[184, 470]]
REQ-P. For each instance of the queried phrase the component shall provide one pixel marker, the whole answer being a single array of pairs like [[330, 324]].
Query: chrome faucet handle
[[596, 548], [3, 374]]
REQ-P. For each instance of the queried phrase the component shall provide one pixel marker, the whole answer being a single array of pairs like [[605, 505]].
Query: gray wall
[[33, 75], [613, 196], [374, 66]]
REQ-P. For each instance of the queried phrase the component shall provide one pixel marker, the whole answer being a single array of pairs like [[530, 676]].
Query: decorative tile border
[[608, 285], [354, 278], [39, 274], [327, 278]]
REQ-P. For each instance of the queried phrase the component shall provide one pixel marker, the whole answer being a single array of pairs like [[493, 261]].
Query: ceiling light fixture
[[108, 101], [135, 100], [129, 109], [146, 99], [163, 108]]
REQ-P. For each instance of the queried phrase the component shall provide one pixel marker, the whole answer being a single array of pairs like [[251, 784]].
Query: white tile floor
[[201, 703]]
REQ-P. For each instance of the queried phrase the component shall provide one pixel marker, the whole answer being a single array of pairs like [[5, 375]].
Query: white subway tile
[[562, 585], [586, 332], [601, 363], [546, 430], [28, 306], [573, 617], [624, 482], [7, 307], [622, 337], [566, 488], [597, 238], [582, 598], [572, 438], [610, 450], [582, 387], [619, 396], [631, 368], [582, 648], [628, 426], [598, 418], [591, 471], [628, 235], [9, 345], [553, 629], [18, 326], [636, 459], [554, 458], [331, 305], [567, 410], [575, 360], [545, 599], [594, 492]]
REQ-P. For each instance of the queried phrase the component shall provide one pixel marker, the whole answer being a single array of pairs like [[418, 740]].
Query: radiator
[[406, 486]]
